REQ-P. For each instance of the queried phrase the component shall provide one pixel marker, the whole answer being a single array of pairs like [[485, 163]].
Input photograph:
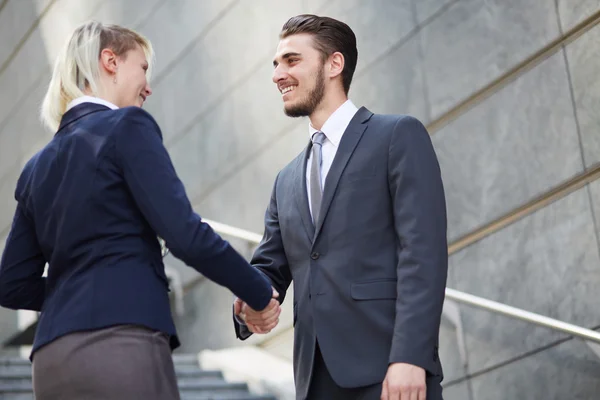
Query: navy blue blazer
[[91, 204]]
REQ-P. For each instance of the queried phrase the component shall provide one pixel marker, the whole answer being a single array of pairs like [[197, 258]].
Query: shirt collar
[[336, 124], [90, 99]]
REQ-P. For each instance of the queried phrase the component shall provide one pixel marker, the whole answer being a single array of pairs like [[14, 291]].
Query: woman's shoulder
[[131, 119], [135, 114]]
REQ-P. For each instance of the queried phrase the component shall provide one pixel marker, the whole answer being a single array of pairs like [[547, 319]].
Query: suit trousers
[[323, 387], [122, 362]]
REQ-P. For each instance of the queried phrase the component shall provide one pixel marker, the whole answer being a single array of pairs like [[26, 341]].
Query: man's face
[[299, 75]]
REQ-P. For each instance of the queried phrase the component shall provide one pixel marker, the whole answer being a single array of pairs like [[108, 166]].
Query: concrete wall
[[223, 124]]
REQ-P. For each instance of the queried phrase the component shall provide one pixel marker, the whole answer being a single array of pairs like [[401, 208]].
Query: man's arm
[[420, 222], [270, 259], [22, 266]]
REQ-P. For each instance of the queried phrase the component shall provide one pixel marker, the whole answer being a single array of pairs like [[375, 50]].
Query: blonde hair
[[77, 66]]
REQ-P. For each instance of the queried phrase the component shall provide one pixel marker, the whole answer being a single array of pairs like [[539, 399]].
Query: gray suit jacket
[[369, 278]]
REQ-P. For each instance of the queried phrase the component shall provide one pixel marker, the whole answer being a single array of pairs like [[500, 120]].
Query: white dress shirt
[[90, 99], [334, 129]]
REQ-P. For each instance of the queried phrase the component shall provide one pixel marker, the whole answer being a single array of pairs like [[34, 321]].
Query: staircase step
[[207, 385], [14, 361], [15, 370], [197, 373], [18, 372], [194, 383], [218, 396], [14, 376], [185, 359], [239, 396], [16, 387], [212, 385], [17, 396]]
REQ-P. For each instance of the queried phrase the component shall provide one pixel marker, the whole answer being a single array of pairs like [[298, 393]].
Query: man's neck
[[325, 109]]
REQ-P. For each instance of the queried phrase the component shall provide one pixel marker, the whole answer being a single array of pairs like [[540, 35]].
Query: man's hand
[[404, 382], [259, 321]]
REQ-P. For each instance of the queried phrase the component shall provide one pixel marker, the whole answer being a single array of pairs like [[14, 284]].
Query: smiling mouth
[[288, 89]]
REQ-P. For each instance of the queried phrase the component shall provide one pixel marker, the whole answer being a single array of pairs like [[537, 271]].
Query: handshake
[[258, 321]]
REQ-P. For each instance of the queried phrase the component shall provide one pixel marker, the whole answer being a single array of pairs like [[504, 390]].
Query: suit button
[[314, 256]]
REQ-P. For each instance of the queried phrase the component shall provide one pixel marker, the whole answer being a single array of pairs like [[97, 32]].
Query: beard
[[308, 105]]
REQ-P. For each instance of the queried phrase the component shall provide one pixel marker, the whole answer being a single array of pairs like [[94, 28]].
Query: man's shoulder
[[294, 164], [289, 173], [394, 119], [397, 125]]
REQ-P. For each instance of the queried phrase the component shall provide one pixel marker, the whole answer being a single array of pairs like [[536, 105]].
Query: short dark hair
[[330, 35]]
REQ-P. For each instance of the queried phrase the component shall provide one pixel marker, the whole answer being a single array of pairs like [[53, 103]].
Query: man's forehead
[[300, 43]]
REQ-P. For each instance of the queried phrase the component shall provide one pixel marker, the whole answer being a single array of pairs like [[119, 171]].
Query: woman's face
[[131, 87]]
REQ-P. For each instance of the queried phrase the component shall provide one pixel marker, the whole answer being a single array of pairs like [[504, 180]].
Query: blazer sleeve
[[161, 197], [22, 266], [270, 259], [420, 223]]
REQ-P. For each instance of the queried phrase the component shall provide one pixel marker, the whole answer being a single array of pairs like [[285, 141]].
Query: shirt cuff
[[238, 319]]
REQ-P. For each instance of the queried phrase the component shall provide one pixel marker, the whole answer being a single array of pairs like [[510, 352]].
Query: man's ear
[[336, 64]]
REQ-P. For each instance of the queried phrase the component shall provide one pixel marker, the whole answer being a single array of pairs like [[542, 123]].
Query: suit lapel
[[350, 139], [301, 193]]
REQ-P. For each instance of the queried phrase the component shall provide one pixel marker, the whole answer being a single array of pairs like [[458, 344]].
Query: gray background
[[224, 127]]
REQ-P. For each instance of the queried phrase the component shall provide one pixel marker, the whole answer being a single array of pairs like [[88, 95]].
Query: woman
[[91, 204]]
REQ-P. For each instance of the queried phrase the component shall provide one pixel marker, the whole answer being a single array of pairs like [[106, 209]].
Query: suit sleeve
[[420, 222], [270, 258], [161, 197], [22, 266]]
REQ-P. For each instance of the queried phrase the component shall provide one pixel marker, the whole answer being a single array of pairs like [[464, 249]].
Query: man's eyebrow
[[285, 57]]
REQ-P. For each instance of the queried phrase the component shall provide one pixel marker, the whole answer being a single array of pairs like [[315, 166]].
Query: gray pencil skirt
[[119, 363]]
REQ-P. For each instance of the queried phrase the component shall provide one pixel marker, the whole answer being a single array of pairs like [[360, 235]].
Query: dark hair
[[330, 35]]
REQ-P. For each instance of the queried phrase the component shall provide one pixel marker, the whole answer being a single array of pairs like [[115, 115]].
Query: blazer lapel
[[350, 139], [301, 193]]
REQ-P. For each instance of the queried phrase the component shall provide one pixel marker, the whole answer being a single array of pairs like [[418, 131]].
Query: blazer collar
[[80, 111]]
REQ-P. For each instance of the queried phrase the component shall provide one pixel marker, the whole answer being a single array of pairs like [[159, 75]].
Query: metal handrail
[[223, 229], [523, 315], [465, 298]]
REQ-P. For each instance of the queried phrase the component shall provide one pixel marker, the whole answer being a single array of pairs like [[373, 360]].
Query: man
[[358, 223]]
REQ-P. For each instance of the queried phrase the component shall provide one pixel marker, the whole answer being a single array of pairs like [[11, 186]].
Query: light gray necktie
[[316, 191]]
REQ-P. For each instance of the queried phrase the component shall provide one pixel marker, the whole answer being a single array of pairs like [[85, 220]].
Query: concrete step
[[240, 396], [15, 387], [15, 376], [211, 386], [16, 396], [14, 361], [185, 371], [193, 382], [178, 360], [214, 396], [16, 369], [185, 359]]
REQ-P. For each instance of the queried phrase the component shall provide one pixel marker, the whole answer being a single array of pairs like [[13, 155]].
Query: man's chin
[[296, 111]]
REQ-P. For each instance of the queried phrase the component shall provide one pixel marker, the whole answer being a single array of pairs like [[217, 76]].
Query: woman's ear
[[108, 61]]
